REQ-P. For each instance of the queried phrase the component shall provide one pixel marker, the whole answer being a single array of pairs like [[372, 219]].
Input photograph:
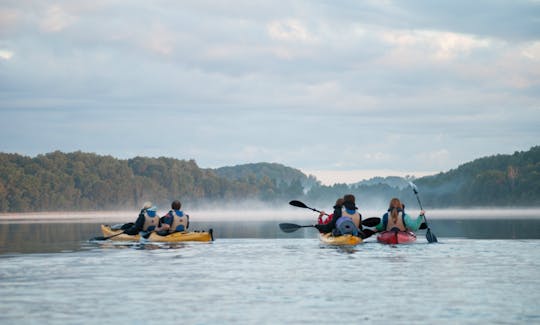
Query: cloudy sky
[[334, 88]]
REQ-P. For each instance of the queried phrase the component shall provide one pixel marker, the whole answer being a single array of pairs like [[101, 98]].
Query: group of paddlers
[[149, 221], [347, 220]]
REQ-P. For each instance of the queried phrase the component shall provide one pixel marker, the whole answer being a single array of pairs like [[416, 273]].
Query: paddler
[[147, 220], [325, 218], [174, 221], [345, 220], [395, 218]]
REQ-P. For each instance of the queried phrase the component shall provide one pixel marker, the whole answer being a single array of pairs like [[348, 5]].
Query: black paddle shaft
[[418, 198], [299, 204], [430, 236], [105, 238]]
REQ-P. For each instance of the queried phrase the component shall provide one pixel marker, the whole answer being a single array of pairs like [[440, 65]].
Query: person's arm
[[336, 216], [380, 226], [330, 226], [413, 223], [167, 222], [139, 224]]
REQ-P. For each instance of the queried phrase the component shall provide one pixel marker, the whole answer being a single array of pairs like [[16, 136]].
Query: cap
[[147, 205]]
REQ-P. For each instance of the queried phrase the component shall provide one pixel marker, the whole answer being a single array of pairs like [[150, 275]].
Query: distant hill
[[392, 181], [498, 180], [494, 181], [276, 172], [85, 181]]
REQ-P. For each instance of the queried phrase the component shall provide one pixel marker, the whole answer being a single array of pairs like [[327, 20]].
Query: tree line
[[81, 181]]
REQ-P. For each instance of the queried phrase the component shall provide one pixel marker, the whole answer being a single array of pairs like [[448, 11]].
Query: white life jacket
[[355, 217], [151, 220], [398, 224], [180, 221]]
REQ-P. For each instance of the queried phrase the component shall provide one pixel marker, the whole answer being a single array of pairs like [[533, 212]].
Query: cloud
[[531, 51], [341, 86], [442, 46], [6, 55], [56, 19], [289, 30]]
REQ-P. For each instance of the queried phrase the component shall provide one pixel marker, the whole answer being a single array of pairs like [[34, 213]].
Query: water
[[51, 273]]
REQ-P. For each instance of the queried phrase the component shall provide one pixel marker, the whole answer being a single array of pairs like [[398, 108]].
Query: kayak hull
[[396, 237], [343, 240], [202, 236]]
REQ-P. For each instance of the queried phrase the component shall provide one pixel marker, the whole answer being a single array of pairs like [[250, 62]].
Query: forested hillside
[[500, 180], [86, 181], [277, 172]]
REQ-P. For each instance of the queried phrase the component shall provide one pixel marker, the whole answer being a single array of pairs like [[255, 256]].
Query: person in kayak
[[325, 218], [396, 219], [147, 221], [174, 221], [345, 220]]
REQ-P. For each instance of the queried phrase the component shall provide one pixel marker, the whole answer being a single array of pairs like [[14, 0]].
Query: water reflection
[[107, 244], [66, 237]]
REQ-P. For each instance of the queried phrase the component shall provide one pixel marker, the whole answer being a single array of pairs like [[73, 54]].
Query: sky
[[343, 90]]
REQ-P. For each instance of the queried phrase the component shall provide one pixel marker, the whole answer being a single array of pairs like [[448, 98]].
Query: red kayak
[[396, 237]]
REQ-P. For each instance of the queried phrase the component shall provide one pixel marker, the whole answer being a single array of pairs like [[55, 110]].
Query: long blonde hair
[[394, 213]]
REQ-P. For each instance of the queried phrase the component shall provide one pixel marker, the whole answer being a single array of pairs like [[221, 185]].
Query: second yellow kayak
[[202, 236], [343, 240]]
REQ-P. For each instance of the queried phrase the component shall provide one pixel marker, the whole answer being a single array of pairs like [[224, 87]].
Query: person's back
[[345, 219], [396, 219], [146, 221], [174, 221], [349, 221]]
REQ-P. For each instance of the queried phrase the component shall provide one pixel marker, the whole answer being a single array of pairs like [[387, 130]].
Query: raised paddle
[[431, 238], [302, 205]]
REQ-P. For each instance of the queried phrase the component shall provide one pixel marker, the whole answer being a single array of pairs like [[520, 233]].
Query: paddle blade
[[367, 233], [289, 227], [298, 204], [99, 238], [431, 238], [371, 222]]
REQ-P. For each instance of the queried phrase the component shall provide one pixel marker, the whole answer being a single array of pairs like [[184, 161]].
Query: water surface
[[255, 274]]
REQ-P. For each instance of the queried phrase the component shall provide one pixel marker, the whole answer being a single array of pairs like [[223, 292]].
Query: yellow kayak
[[202, 236], [343, 240]]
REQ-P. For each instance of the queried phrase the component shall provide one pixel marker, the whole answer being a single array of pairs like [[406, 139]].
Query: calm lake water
[[481, 271]]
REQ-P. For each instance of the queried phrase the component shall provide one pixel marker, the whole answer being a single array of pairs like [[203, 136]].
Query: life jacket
[[348, 223], [151, 220], [353, 215], [180, 221], [324, 219], [400, 224]]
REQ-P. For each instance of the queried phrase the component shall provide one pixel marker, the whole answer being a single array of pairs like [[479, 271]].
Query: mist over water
[[57, 232]]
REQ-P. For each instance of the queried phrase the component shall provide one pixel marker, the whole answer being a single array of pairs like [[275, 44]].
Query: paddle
[[431, 238], [368, 232], [145, 235], [105, 238], [291, 227], [302, 205]]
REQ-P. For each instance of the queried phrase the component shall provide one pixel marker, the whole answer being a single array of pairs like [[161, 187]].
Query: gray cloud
[[315, 85]]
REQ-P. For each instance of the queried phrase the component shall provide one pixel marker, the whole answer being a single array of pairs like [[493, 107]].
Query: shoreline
[[255, 215]]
